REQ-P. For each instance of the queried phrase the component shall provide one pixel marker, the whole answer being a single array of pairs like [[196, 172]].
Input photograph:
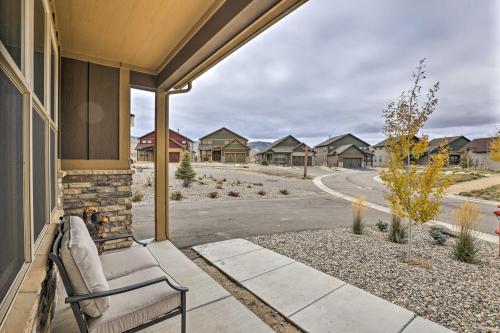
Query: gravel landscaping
[[200, 189], [463, 297], [203, 185]]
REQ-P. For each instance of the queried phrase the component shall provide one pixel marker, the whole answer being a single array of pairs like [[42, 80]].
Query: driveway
[[356, 182]]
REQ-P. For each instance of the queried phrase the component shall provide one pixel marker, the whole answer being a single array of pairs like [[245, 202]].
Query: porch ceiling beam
[[234, 24]]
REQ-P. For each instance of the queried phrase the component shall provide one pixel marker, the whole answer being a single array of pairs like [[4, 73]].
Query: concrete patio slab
[[211, 308], [291, 288], [227, 315], [350, 309], [252, 264], [202, 288], [225, 249], [419, 325]]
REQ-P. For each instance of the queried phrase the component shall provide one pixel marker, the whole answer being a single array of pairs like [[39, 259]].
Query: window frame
[[23, 79]]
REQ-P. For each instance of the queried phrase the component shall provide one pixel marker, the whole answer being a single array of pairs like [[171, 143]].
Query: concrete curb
[[319, 183]]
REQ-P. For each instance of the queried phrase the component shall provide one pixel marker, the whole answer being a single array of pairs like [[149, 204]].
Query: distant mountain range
[[258, 145]]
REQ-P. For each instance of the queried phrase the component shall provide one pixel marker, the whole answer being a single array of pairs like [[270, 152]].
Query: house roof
[[142, 146], [237, 141], [481, 145], [383, 143], [179, 134], [338, 137], [435, 143], [178, 144], [343, 148], [287, 149], [147, 134], [224, 128]]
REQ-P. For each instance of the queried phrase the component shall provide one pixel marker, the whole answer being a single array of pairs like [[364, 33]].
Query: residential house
[[380, 153], [476, 154], [454, 144], [286, 151], [66, 73], [346, 150], [177, 143], [224, 145]]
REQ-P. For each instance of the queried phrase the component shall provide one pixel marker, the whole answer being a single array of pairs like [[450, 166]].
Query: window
[[207, 142], [279, 158], [183, 141], [226, 142], [11, 184], [53, 170], [39, 169], [11, 14], [39, 51], [53, 85]]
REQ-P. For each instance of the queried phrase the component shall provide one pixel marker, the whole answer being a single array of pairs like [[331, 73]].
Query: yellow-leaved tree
[[414, 192], [495, 149]]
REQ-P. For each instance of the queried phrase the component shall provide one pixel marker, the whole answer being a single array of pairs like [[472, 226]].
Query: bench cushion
[[136, 307], [124, 262], [81, 261]]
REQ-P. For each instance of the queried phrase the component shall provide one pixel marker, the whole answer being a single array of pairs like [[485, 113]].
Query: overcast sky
[[331, 67]]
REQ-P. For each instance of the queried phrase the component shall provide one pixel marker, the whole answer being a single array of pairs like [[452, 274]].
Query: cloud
[[331, 67]]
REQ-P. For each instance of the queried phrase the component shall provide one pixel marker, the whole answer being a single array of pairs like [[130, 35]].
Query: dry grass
[[464, 177], [489, 193], [358, 208], [466, 221]]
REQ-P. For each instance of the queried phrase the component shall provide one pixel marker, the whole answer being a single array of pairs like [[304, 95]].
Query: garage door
[[299, 160], [174, 157], [235, 158], [352, 163]]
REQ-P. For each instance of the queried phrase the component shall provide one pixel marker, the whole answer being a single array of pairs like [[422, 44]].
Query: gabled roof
[[383, 143], [343, 148], [277, 142], [141, 146], [481, 145], [147, 134], [179, 134], [238, 141], [288, 149], [338, 137], [224, 128], [435, 143], [178, 144]]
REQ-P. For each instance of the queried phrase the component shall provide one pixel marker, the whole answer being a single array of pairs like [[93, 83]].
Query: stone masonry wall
[[108, 192]]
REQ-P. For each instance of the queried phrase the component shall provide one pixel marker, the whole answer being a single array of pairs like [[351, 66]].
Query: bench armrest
[[102, 240], [78, 298]]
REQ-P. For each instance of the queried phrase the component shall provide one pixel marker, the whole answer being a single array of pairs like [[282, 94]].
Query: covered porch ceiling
[[170, 42]]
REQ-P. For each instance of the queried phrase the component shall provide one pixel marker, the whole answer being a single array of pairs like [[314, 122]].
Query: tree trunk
[[409, 204]]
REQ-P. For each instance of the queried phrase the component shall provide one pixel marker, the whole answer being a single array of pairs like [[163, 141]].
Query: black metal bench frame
[[73, 299]]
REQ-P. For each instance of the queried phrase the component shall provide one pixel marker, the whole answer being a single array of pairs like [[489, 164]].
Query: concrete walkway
[[312, 300], [210, 308]]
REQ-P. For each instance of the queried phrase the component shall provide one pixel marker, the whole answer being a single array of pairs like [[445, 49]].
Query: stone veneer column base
[[108, 192]]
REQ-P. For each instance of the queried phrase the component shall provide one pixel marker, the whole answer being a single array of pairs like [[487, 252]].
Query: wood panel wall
[[90, 111]]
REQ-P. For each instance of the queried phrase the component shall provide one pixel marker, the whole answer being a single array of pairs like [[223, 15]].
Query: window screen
[[39, 186], [53, 169], [39, 50], [10, 28], [53, 82], [11, 184]]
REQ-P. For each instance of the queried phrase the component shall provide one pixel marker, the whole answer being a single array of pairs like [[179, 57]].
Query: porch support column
[[161, 167]]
